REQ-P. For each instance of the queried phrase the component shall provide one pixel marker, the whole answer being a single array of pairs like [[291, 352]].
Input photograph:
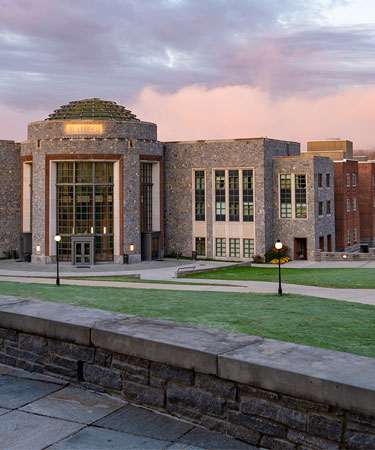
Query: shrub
[[273, 253], [258, 259]]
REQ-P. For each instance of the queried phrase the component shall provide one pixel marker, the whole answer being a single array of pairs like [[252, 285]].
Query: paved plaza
[[39, 412]]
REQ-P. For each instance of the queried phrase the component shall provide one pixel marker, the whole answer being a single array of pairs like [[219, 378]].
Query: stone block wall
[[270, 394], [128, 140], [10, 196], [314, 226], [180, 158]]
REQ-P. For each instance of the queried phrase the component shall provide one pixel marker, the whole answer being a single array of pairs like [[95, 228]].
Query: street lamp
[[279, 246], [57, 239]]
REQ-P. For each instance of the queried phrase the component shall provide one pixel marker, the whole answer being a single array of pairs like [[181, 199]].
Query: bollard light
[[279, 246], [57, 239]]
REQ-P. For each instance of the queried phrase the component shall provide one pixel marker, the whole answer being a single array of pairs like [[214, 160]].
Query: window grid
[[348, 205], [354, 204], [220, 195], [354, 179], [234, 196], [199, 195], [248, 195], [320, 208], [300, 196], [348, 235], [234, 248], [248, 248], [347, 180], [146, 196], [285, 196], [84, 197], [355, 236], [328, 207], [221, 247], [320, 180], [328, 180], [200, 246]]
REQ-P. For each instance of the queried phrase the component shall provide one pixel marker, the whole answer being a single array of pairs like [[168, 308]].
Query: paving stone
[[140, 421], [74, 404], [180, 446], [16, 392], [20, 431], [4, 370], [209, 439], [93, 438]]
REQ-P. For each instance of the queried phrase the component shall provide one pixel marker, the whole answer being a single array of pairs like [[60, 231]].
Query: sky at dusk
[[200, 69]]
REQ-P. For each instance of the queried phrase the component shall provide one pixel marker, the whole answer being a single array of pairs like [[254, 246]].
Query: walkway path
[[39, 411], [166, 271]]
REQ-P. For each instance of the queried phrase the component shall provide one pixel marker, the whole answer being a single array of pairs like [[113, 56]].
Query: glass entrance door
[[82, 253]]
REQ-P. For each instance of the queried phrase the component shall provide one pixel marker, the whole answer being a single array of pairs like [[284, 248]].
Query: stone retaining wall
[[344, 256], [271, 394]]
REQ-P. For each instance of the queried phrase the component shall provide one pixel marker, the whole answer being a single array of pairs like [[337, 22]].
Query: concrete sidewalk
[[39, 412], [365, 296]]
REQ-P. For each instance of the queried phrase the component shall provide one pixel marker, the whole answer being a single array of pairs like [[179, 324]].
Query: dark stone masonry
[[270, 394]]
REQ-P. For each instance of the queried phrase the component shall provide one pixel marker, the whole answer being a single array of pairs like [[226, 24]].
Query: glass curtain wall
[[84, 192]]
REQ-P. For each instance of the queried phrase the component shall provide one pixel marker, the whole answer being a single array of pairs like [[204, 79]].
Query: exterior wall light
[[104, 230], [279, 246], [57, 239], [344, 256], [38, 249], [131, 248]]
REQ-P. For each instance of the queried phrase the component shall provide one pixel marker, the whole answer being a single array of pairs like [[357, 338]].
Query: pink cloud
[[196, 112]]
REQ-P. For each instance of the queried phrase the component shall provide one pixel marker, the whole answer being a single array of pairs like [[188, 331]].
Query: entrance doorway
[[321, 243], [155, 248], [82, 251], [300, 248], [329, 243]]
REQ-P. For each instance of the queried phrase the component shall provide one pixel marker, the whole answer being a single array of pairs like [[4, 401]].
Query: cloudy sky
[[201, 69]]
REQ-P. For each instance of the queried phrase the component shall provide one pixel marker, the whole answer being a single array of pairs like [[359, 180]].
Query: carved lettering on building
[[83, 128]]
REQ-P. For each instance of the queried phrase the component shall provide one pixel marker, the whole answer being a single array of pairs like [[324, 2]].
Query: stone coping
[[339, 379]]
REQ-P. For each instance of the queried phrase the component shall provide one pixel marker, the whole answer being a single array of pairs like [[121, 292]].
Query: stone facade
[[313, 226], [180, 158], [10, 197], [126, 140]]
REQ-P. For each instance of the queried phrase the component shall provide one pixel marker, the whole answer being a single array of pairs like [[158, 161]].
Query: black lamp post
[[279, 246], [57, 239]]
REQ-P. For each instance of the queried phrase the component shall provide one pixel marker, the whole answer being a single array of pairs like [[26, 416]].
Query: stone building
[[95, 174]]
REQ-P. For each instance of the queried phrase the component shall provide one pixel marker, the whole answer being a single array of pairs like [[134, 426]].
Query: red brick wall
[[366, 199], [346, 220]]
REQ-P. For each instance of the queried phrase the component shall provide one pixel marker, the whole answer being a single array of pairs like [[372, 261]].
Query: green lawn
[[343, 326], [338, 278]]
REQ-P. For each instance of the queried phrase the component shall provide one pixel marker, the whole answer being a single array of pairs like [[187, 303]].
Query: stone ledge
[[335, 378]]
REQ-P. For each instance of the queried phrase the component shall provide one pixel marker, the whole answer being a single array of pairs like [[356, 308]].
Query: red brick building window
[[354, 204], [349, 239], [355, 237], [354, 182], [348, 204], [347, 180]]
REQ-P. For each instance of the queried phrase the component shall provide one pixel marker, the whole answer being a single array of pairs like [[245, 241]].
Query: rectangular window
[[199, 196], [234, 196], [320, 208], [373, 180], [328, 207], [200, 246], [328, 180], [348, 233], [354, 204], [320, 180], [234, 248], [300, 196], [248, 248], [355, 237], [146, 196], [354, 182], [285, 196], [347, 180], [220, 195], [348, 205], [248, 195], [221, 247]]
